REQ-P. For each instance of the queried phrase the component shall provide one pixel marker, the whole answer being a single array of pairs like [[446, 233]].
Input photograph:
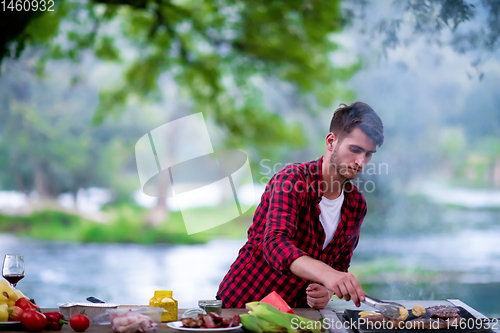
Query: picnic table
[[304, 312]]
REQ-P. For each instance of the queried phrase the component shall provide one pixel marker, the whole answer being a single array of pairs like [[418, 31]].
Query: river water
[[464, 265], [120, 273]]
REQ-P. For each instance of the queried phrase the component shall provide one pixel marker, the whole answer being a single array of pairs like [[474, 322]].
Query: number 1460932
[[27, 5]]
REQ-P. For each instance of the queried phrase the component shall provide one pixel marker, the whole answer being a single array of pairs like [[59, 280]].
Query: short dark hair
[[360, 115]]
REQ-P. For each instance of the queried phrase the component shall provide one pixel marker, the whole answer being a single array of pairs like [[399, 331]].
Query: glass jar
[[164, 299], [211, 305]]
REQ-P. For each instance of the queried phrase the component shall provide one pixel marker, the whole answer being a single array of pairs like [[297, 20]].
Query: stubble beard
[[339, 167]]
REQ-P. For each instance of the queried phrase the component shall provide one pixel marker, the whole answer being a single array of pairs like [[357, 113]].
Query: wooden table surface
[[227, 313]]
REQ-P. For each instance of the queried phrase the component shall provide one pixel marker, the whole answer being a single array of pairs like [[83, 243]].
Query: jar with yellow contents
[[164, 299]]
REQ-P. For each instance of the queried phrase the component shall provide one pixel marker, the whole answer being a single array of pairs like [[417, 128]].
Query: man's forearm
[[310, 269]]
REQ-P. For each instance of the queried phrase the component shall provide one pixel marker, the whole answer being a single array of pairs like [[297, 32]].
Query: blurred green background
[[80, 84]]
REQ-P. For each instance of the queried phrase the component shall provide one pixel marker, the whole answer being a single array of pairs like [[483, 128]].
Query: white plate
[[178, 326]]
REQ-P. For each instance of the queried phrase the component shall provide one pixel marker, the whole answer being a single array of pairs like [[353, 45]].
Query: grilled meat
[[375, 319], [454, 321], [426, 324], [191, 322], [443, 311]]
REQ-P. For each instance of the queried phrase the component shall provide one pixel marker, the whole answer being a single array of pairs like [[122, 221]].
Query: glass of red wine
[[13, 268]]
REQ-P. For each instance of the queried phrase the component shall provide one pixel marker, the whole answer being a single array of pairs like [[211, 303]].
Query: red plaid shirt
[[285, 227]]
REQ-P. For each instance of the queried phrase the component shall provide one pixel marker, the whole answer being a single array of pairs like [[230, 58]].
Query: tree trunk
[[496, 174], [160, 212], [44, 189]]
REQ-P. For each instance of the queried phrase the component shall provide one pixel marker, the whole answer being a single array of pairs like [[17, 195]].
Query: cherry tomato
[[15, 313], [79, 322], [33, 321], [26, 304]]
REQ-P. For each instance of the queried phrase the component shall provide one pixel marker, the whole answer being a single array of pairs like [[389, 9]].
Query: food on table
[[235, 321], [4, 312], [441, 317], [426, 324], [131, 322], [254, 324], [192, 322], [363, 314], [379, 320], [450, 314], [375, 319], [418, 310], [7, 294], [288, 321], [15, 313], [397, 324], [210, 320], [443, 311], [33, 321], [215, 316], [277, 301], [10, 301], [79, 322], [403, 314], [453, 321], [19, 293], [55, 321], [25, 304]]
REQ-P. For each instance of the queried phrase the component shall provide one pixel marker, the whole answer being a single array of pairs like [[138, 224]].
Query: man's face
[[351, 154]]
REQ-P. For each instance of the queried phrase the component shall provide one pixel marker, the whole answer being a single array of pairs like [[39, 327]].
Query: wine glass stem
[[13, 285]]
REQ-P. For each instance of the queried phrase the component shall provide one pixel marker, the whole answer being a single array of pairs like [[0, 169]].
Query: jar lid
[[163, 293], [210, 302]]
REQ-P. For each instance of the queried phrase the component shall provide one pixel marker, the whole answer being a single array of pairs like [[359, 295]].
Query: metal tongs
[[388, 309]]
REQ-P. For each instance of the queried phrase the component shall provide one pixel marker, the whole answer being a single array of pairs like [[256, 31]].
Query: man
[[308, 221]]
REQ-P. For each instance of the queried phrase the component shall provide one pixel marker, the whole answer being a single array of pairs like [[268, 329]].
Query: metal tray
[[472, 325], [91, 309]]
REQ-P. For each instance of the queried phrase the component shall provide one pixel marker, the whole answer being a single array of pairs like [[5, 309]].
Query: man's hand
[[317, 296], [344, 285]]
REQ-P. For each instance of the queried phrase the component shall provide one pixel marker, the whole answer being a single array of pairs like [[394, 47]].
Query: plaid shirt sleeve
[[286, 197], [344, 259]]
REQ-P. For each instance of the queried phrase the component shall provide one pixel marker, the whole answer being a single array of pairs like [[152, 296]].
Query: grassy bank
[[125, 224]]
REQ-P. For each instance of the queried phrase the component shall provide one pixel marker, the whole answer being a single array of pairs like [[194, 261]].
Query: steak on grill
[[443, 311]]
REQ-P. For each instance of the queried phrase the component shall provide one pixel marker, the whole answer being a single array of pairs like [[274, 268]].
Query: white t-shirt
[[330, 216]]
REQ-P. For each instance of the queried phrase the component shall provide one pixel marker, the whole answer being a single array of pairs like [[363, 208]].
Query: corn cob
[[309, 325], [268, 312], [290, 321], [257, 325]]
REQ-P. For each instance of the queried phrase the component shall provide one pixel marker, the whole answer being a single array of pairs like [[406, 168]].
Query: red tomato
[[26, 304], [79, 322], [15, 313], [33, 321]]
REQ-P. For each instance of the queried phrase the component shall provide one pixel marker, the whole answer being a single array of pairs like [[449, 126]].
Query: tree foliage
[[219, 52], [46, 143], [471, 27]]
